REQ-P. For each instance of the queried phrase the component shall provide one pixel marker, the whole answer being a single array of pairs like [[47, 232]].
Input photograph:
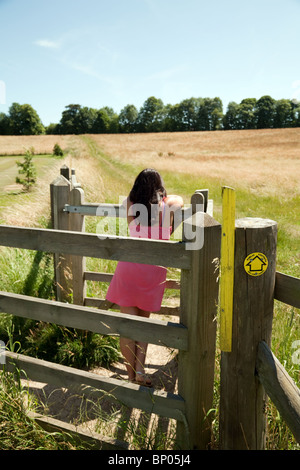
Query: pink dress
[[140, 285]]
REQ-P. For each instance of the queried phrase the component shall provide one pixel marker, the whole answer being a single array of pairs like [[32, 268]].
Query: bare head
[[148, 189]]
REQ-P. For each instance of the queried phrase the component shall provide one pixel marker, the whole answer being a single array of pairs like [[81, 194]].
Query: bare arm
[[175, 203]]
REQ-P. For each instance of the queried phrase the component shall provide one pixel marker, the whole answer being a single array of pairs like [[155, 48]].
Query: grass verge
[[17, 430]]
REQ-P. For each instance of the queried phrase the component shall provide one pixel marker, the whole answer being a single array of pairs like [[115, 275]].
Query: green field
[[9, 170]]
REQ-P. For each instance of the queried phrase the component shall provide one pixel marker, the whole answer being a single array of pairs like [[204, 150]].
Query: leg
[[128, 347], [141, 350]]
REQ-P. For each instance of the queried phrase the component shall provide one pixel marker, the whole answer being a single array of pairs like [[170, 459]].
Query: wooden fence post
[[60, 195], [198, 312], [242, 397], [77, 223], [65, 171]]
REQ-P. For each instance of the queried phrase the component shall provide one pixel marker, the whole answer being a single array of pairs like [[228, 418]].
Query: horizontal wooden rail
[[287, 289], [149, 330], [156, 252], [132, 395], [95, 209], [85, 438], [105, 305], [280, 387], [114, 210], [107, 277]]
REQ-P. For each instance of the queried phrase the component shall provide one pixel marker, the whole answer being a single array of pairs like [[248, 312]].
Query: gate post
[[198, 312], [242, 397], [77, 224], [60, 195]]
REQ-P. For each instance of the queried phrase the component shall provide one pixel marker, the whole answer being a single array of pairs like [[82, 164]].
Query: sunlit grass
[[17, 430]]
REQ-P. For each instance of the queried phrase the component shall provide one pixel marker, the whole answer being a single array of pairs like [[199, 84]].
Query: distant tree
[[192, 114], [284, 114], [70, 120], [85, 120], [27, 169], [106, 121], [101, 123], [247, 117], [52, 129], [24, 120], [4, 124], [188, 112], [265, 110], [296, 113], [203, 117], [173, 118], [151, 115], [128, 118], [113, 126], [210, 114], [216, 122], [231, 117]]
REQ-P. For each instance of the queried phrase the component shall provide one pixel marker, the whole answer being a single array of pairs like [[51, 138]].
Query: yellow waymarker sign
[[256, 264], [227, 268]]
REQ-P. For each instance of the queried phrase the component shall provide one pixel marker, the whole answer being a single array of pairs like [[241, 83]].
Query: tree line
[[193, 114]]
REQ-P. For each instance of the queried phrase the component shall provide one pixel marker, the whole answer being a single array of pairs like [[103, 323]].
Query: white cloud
[[48, 44]]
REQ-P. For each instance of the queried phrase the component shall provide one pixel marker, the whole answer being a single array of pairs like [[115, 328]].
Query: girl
[[138, 288]]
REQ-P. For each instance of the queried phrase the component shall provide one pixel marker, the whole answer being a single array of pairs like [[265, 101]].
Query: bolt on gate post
[[198, 312], [242, 397]]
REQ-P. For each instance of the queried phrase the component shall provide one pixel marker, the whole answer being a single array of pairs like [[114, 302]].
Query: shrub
[[57, 151], [27, 169]]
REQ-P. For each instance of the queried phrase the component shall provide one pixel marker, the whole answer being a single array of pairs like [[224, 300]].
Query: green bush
[[57, 151], [71, 347], [54, 343], [27, 169]]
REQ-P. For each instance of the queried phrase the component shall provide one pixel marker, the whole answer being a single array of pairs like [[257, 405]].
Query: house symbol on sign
[[256, 264]]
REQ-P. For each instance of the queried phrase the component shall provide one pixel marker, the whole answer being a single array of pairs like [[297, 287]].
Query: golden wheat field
[[43, 144], [266, 160]]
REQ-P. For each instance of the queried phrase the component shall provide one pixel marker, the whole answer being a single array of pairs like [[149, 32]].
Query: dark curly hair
[[148, 189]]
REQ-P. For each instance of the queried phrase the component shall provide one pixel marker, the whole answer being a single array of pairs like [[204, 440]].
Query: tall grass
[[17, 430]]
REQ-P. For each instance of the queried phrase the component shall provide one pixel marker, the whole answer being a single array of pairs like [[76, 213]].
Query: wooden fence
[[198, 313], [248, 372]]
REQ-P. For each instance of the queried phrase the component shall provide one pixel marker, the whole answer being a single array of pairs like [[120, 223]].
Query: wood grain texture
[[135, 396], [138, 250], [280, 387], [149, 330], [287, 289], [242, 397], [198, 312]]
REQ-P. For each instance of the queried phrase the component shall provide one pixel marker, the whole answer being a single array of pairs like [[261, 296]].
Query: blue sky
[[112, 53]]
